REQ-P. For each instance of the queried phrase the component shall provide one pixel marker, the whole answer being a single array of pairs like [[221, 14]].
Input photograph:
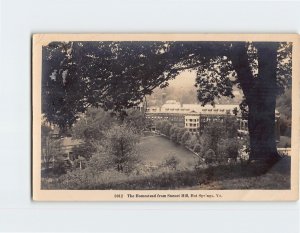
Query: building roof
[[172, 106]]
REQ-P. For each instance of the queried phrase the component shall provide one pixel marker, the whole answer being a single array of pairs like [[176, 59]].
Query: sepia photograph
[[164, 117], [150, 116]]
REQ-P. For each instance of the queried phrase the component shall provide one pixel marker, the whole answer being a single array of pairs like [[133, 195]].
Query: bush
[[219, 143], [210, 157], [180, 133], [185, 137], [192, 141], [197, 148], [173, 137], [228, 149], [171, 162], [166, 128], [85, 150]]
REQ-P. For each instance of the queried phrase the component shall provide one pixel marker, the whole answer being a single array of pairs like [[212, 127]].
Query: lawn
[[154, 150], [277, 177]]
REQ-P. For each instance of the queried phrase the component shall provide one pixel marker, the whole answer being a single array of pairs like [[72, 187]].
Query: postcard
[[165, 117]]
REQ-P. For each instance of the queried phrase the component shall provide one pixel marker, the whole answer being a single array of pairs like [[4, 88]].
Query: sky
[[184, 80]]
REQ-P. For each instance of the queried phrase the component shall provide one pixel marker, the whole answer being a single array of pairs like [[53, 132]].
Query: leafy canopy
[[117, 75]]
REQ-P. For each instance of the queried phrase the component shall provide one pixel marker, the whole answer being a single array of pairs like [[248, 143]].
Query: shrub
[[173, 137], [172, 130], [197, 148], [180, 133], [192, 141], [210, 157], [171, 162], [185, 137], [166, 128], [228, 149]]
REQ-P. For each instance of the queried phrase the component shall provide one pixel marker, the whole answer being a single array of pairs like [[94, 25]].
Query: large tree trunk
[[260, 95], [261, 124], [262, 103]]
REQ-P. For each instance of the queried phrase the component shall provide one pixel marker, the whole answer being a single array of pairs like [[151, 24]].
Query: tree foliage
[[120, 145], [117, 75], [221, 139], [137, 121], [93, 124]]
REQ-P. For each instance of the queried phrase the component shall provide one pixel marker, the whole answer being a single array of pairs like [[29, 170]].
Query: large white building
[[194, 116], [189, 116]]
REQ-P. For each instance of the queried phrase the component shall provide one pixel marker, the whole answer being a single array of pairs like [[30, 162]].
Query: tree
[[192, 141], [221, 138], [228, 148], [136, 120], [180, 133], [210, 157], [117, 75], [173, 131], [51, 147], [121, 146], [173, 137], [166, 128], [212, 135], [158, 125], [185, 137], [92, 126]]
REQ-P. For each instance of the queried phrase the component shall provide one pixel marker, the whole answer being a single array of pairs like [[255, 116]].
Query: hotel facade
[[194, 117]]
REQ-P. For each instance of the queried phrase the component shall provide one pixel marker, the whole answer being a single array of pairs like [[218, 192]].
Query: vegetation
[[90, 89], [117, 75], [101, 134], [51, 150], [120, 146], [221, 177], [219, 138], [115, 162], [284, 106]]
